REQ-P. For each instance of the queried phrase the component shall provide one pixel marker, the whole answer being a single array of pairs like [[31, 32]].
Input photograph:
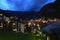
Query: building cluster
[[14, 23], [44, 20], [6, 22]]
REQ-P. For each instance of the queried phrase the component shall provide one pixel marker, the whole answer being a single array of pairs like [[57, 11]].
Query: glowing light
[[15, 30], [9, 21], [29, 23], [34, 24], [44, 21], [1, 25], [1, 14], [13, 23], [38, 25], [23, 5], [48, 38]]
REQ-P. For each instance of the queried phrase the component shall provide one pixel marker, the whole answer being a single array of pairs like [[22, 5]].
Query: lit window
[[29, 23], [38, 25], [1, 25], [13, 23], [15, 30], [1, 14]]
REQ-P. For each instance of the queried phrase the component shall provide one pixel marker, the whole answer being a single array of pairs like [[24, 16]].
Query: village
[[12, 23]]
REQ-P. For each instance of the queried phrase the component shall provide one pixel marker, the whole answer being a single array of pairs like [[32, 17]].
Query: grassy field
[[16, 36]]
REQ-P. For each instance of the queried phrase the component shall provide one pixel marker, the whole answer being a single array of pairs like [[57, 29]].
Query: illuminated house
[[1, 21]]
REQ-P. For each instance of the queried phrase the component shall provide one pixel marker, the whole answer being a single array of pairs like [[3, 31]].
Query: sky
[[24, 5]]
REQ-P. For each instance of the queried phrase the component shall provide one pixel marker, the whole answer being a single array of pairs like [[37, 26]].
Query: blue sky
[[23, 5]]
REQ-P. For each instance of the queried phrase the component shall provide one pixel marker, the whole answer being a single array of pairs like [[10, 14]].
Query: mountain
[[24, 15], [49, 10]]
